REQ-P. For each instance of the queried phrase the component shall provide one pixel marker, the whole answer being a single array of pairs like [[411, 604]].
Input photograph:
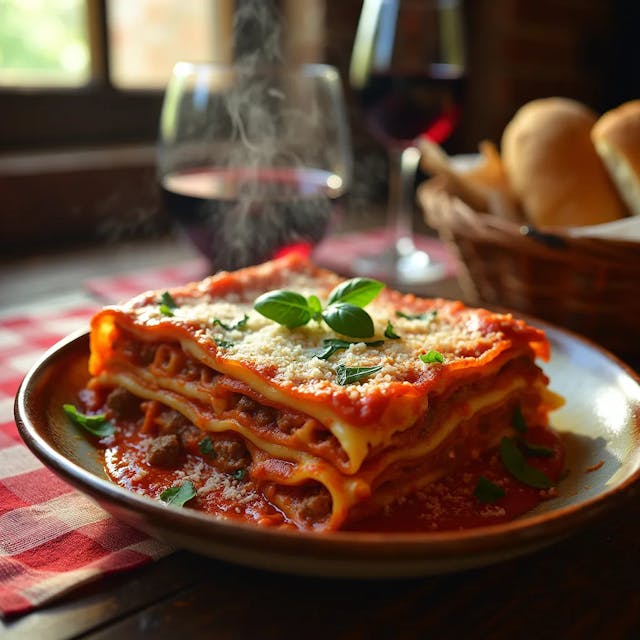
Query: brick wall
[[525, 49]]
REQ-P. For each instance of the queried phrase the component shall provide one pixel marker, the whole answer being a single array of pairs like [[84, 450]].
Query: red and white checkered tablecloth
[[110, 289], [52, 538]]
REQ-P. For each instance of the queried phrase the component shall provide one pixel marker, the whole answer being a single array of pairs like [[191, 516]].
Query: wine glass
[[407, 66], [253, 159]]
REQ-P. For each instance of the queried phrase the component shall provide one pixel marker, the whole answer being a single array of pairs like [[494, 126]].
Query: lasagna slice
[[321, 451]]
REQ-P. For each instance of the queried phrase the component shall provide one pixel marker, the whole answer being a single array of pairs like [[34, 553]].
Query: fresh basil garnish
[[390, 333], [239, 474], [432, 356], [518, 467], [284, 307], [231, 327], [167, 304], [429, 315], [488, 492], [167, 299], [349, 320], [517, 420], [205, 447], [536, 450], [331, 345], [222, 343], [348, 375], [97, 424], [315, 307], [179, 495], [357, 291], [343, 314]]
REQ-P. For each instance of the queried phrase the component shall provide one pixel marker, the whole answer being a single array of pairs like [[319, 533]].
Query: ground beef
[[288, 423], [123, 403], [171, 421], [260, 415], [231, 455], [165, 451], [246, 405], [147, 353], [315, 507]]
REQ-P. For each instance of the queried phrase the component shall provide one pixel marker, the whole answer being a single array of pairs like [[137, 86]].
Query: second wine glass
[[407, 67]]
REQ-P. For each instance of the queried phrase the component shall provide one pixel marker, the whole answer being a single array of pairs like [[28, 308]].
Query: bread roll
[[484, 187], [616, 137], [553, 167]]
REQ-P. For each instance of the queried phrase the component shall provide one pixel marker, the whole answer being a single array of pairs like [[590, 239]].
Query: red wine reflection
[[399, 108], [241, 216]]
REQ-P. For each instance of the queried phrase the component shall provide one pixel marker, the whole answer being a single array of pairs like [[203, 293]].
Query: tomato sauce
[[450, 503], [447, 504], [225, 495]]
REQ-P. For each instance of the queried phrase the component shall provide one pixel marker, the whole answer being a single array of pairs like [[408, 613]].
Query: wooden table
[[587, 586]]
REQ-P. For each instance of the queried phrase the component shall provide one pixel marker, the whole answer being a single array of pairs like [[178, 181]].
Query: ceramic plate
[[600, 424]]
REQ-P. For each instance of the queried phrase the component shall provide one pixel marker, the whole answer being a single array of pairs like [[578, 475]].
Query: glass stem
[[402, 175]]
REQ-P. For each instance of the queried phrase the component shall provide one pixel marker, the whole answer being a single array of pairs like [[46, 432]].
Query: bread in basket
[[588, 284]]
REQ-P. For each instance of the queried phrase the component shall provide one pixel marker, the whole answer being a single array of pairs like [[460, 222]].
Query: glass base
[[413, 267]]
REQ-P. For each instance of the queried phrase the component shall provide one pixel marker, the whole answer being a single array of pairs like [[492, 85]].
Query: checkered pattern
[[52, 538], [117, 288]]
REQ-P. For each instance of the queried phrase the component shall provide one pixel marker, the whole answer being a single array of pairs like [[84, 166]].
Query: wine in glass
[[407, 68], [253, 160]]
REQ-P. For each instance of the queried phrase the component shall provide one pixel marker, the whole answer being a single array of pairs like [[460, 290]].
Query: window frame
[[95, 114]]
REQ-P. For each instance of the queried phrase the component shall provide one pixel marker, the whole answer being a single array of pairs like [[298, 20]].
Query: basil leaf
[[239, 474], [517, 466], [430, 315], [231, 327], [98, 425], [284, 307], [179, 495], [331, 345], [518, 421], [349, 320], [536, 450], [349, 375], [205, 447], [487, 491], [167, 300], [166, 311], [431, 357], [315, 306], [390, 333], [223, 344], [357, 291]]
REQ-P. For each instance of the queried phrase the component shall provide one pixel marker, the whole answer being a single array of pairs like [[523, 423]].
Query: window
[[44, 43], [91, 72], [172, 30], [80, 95]]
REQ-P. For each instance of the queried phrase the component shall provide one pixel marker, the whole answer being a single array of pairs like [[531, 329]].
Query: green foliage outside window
[[43, 42]]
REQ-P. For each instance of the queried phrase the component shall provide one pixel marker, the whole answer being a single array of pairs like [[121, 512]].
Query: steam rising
[[271, 175]]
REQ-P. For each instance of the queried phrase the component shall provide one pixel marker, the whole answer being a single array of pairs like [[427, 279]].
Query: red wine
[[238, 216], [399, 108]]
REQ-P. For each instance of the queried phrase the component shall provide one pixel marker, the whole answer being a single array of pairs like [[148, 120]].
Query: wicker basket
[[589, 285]]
